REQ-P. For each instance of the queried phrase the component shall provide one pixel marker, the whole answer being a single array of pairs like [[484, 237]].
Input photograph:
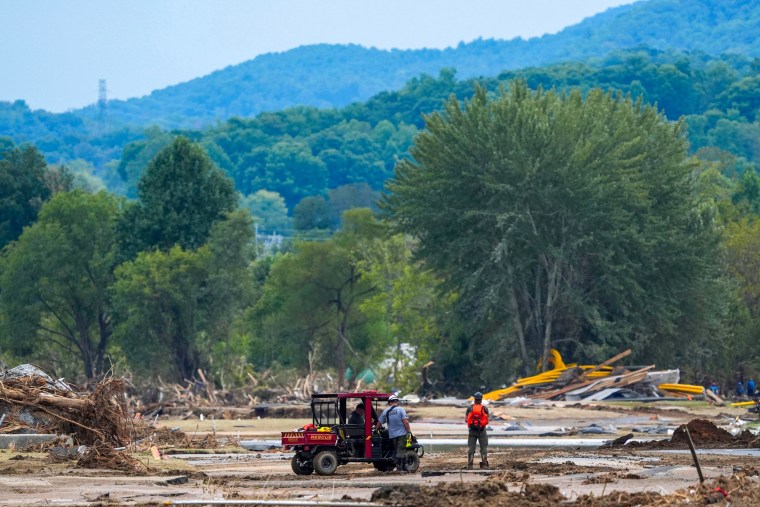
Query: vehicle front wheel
[[411, 460], [301, 467], [325, 463]]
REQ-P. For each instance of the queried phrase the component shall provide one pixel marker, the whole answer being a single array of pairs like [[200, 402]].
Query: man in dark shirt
[[357, 416]]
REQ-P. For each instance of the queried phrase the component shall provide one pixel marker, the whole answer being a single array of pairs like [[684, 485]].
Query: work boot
[[484, 463], [470, 459]]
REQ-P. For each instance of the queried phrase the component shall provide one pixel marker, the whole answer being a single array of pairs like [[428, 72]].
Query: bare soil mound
[[705, 435], [739, 489], [460, 494], [702, 432]]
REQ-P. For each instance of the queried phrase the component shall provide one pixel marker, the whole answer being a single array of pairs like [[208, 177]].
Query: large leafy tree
[[157, 299], [181, 195], [310, 307], [22, 188], [743, 263], [405, 307], [184, 302], [560, 220], [268, 210], [56, 278]]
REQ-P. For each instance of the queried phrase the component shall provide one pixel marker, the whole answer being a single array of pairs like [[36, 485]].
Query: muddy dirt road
[[546, 475]]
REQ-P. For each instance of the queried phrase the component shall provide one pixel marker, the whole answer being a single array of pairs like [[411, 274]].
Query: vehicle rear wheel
[[384, 466], [301, 467], [411, 460], [325, 463]]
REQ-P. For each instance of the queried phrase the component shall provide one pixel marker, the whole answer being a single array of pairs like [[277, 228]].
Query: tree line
[[359, 144], [520, 220]]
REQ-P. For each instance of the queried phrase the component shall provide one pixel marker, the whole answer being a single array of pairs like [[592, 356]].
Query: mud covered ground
[[644, 474]]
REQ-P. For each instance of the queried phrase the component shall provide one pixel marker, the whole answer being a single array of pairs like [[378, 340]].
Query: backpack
[[477, 419]]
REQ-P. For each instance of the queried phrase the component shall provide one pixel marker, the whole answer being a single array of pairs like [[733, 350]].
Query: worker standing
[[398, 430], [477, 421], [751, 388]]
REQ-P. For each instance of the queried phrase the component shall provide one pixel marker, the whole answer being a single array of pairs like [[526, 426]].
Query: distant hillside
[[305, 153], [336, 75], [332, 76]]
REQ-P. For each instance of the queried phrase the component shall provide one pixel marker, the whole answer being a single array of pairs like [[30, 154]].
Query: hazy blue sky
[[53, 52]]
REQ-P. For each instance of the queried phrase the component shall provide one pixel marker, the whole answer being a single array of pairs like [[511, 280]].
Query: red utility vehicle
[[330, 441]]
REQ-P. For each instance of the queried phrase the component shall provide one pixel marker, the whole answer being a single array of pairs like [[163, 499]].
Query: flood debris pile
[[264, 395], [33, 402], [572, 382], [92, 424], [738, 489]]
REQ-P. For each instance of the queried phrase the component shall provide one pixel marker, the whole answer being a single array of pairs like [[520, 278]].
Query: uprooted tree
[[561, 221]]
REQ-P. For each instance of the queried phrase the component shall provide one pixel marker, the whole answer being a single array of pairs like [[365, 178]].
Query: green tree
[[310, 310], [743, 95], [268, 210], [182, 194], [312, 213], [406, 306], [570, 220], [156, 300], [228, 292], [22, 189], [747, 193], [184, 303], [137, 155], [56, 280], [347, 197]]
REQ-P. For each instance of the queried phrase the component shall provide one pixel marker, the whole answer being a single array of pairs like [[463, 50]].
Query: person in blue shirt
[[750, 388], [739, 389], [398, 428]]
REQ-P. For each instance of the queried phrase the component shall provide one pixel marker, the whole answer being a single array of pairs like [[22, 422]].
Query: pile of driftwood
[[263, 395], [95, 427], [96, 423], [31, 401]]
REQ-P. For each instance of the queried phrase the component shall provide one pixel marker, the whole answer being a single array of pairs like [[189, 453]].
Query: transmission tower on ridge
[[102, 104]]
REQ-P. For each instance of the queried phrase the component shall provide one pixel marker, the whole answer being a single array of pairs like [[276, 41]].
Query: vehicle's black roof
[[374, 395]]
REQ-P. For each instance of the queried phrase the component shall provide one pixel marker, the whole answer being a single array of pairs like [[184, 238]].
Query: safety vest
[[477, 419]]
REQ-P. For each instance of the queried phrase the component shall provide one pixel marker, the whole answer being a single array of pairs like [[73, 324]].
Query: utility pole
[[102, 105]]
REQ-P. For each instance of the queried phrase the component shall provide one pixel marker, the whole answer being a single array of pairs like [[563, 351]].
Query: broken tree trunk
[[42, 398]]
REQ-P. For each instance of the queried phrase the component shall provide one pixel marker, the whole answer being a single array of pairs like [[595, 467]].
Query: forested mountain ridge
[[305, 152], [360, 142], [335, 75]]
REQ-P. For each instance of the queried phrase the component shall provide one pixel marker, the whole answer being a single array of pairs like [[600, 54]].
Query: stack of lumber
[[686, 389], [557, 379], [590, 386]]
